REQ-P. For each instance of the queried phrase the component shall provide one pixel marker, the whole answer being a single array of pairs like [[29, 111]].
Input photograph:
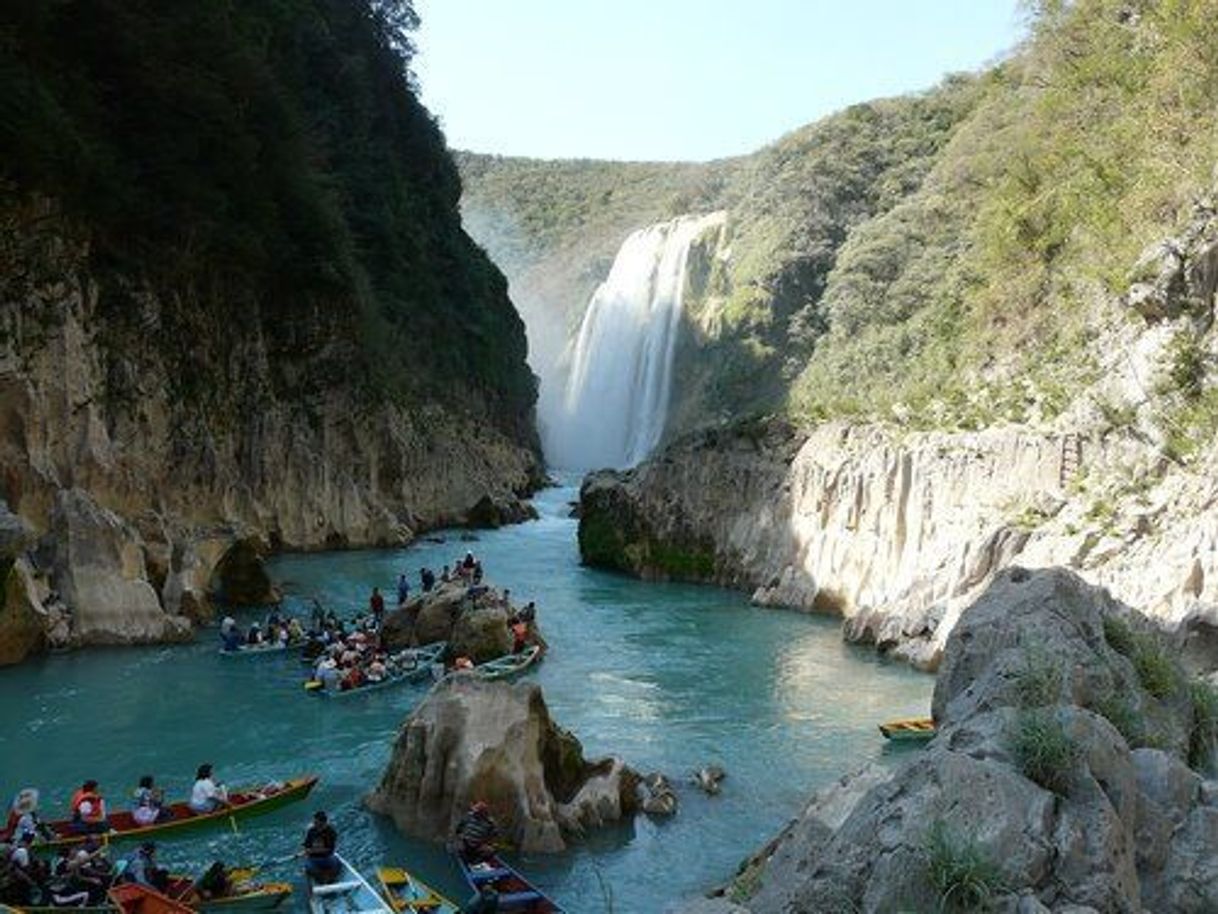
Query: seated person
[[321, 863], [215, 883], [476, 833], [149, 803], [206, 795]]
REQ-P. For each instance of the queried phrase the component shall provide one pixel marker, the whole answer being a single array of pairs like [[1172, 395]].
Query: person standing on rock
[[321, 863], [376, 605], [476, 833], [427, 579], [403, 589]]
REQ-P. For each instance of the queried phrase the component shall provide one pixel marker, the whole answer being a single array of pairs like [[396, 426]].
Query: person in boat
[[352, 679], [89, 810], [321, 863], [21, 874], [23, 817], [463, 663], [206, 795], [254, 637], [506, 599], [230, 635], [377, 670], [60, 888], [295, 631], [149, 803], [90, 870], [485, 902], [274, 618], [403, 589], [520, 637], [141, 868], [215, 882], [476, 833]]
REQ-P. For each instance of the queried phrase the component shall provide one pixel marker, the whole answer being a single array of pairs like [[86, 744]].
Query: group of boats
[[397, 891]]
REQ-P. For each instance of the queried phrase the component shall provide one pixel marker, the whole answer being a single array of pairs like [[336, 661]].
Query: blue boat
[[350, 893], [420, 658], [515, 892]]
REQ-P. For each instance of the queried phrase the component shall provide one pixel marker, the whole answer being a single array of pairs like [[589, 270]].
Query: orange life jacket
[[88, 796]]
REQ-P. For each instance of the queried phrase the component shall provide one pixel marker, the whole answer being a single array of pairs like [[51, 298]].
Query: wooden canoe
[[407, 894], [247, 895], [424, 657], [131, 898], [515, 892], [508, 665], [255, 650], [244, 803], [350, 893], [913, 729]]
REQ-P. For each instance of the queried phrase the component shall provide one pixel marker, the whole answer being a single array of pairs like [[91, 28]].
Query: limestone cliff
[[237, 308], [1071, 771]]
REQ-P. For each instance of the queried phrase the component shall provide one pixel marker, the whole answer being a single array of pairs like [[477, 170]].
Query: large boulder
[[474, 626], [1059, 781], [475, 740], [22, 620], [100, 575], [482, 634]]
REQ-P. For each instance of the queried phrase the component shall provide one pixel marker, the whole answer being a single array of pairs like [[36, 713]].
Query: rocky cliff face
[[139, 492], [1060, 778], [492, 741], [898, 530]]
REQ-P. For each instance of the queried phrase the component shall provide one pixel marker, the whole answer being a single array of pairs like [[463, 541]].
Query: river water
[[668, 676]]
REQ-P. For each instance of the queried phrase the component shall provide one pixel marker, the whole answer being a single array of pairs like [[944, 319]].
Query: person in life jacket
[[89, 810]]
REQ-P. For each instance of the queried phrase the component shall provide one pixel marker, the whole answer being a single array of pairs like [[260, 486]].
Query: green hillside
[[926, 259], [270, 162]]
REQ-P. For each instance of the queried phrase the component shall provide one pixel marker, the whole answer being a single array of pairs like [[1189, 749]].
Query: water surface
[[668, 676]]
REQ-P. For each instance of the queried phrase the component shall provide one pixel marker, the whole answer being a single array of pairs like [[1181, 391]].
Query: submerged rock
[[1060, 776], [493, 741]]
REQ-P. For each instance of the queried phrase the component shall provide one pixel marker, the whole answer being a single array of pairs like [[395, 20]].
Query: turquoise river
[[668, 676]]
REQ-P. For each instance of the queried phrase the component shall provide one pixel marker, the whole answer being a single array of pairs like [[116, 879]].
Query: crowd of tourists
[[82, 872]]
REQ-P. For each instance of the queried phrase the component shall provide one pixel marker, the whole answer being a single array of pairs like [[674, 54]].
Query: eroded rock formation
[[475, 740], [1113, 818], [473, 621]]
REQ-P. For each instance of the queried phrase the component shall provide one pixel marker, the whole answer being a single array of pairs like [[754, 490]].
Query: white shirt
[[205, 790]]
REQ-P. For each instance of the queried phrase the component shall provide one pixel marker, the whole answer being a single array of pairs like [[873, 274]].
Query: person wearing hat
[[476, 833], [141, 868], [321, 863], [206, 795]]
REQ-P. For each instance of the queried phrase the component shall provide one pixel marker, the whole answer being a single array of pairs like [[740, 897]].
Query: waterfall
[[615, 404]]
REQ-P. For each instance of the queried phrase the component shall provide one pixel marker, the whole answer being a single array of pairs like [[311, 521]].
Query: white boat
[[350, 893]]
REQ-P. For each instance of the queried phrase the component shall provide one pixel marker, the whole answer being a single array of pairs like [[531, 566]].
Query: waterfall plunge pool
[[668, 676]]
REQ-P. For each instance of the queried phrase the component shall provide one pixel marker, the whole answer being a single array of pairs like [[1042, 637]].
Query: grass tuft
[[1044, 750], [963, 875]]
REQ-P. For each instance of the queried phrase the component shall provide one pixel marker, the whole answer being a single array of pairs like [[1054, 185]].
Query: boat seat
[[337, 888], [512, 898], [483, 875]]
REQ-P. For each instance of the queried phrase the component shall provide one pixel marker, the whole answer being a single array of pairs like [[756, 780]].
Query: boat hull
[[350, 892], [516, 893], [246, 805], [509, 666], [408, 895], [912, 730]]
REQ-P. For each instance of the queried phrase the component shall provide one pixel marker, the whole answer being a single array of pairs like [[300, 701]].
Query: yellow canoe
[[911, 729], [407, 894]]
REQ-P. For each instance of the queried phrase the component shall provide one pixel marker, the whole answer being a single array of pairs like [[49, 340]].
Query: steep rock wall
[[897, 533], [140, 489]]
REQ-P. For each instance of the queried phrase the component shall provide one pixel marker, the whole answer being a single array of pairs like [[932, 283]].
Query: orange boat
[[913, 729], [243, 804], [132, 898]]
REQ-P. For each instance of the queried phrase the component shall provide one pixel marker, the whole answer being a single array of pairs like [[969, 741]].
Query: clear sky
[[682, 79]]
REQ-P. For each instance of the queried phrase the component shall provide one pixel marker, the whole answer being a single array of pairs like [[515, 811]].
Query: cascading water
[[615, 403]]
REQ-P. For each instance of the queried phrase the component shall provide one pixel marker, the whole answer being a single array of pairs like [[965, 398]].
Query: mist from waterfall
[[614, 406]]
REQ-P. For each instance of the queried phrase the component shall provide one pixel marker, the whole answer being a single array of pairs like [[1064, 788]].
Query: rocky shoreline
[[1072, 771]]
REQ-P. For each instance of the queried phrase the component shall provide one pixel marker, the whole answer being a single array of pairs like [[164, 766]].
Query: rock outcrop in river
[[493, 741], [1069, 773]]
